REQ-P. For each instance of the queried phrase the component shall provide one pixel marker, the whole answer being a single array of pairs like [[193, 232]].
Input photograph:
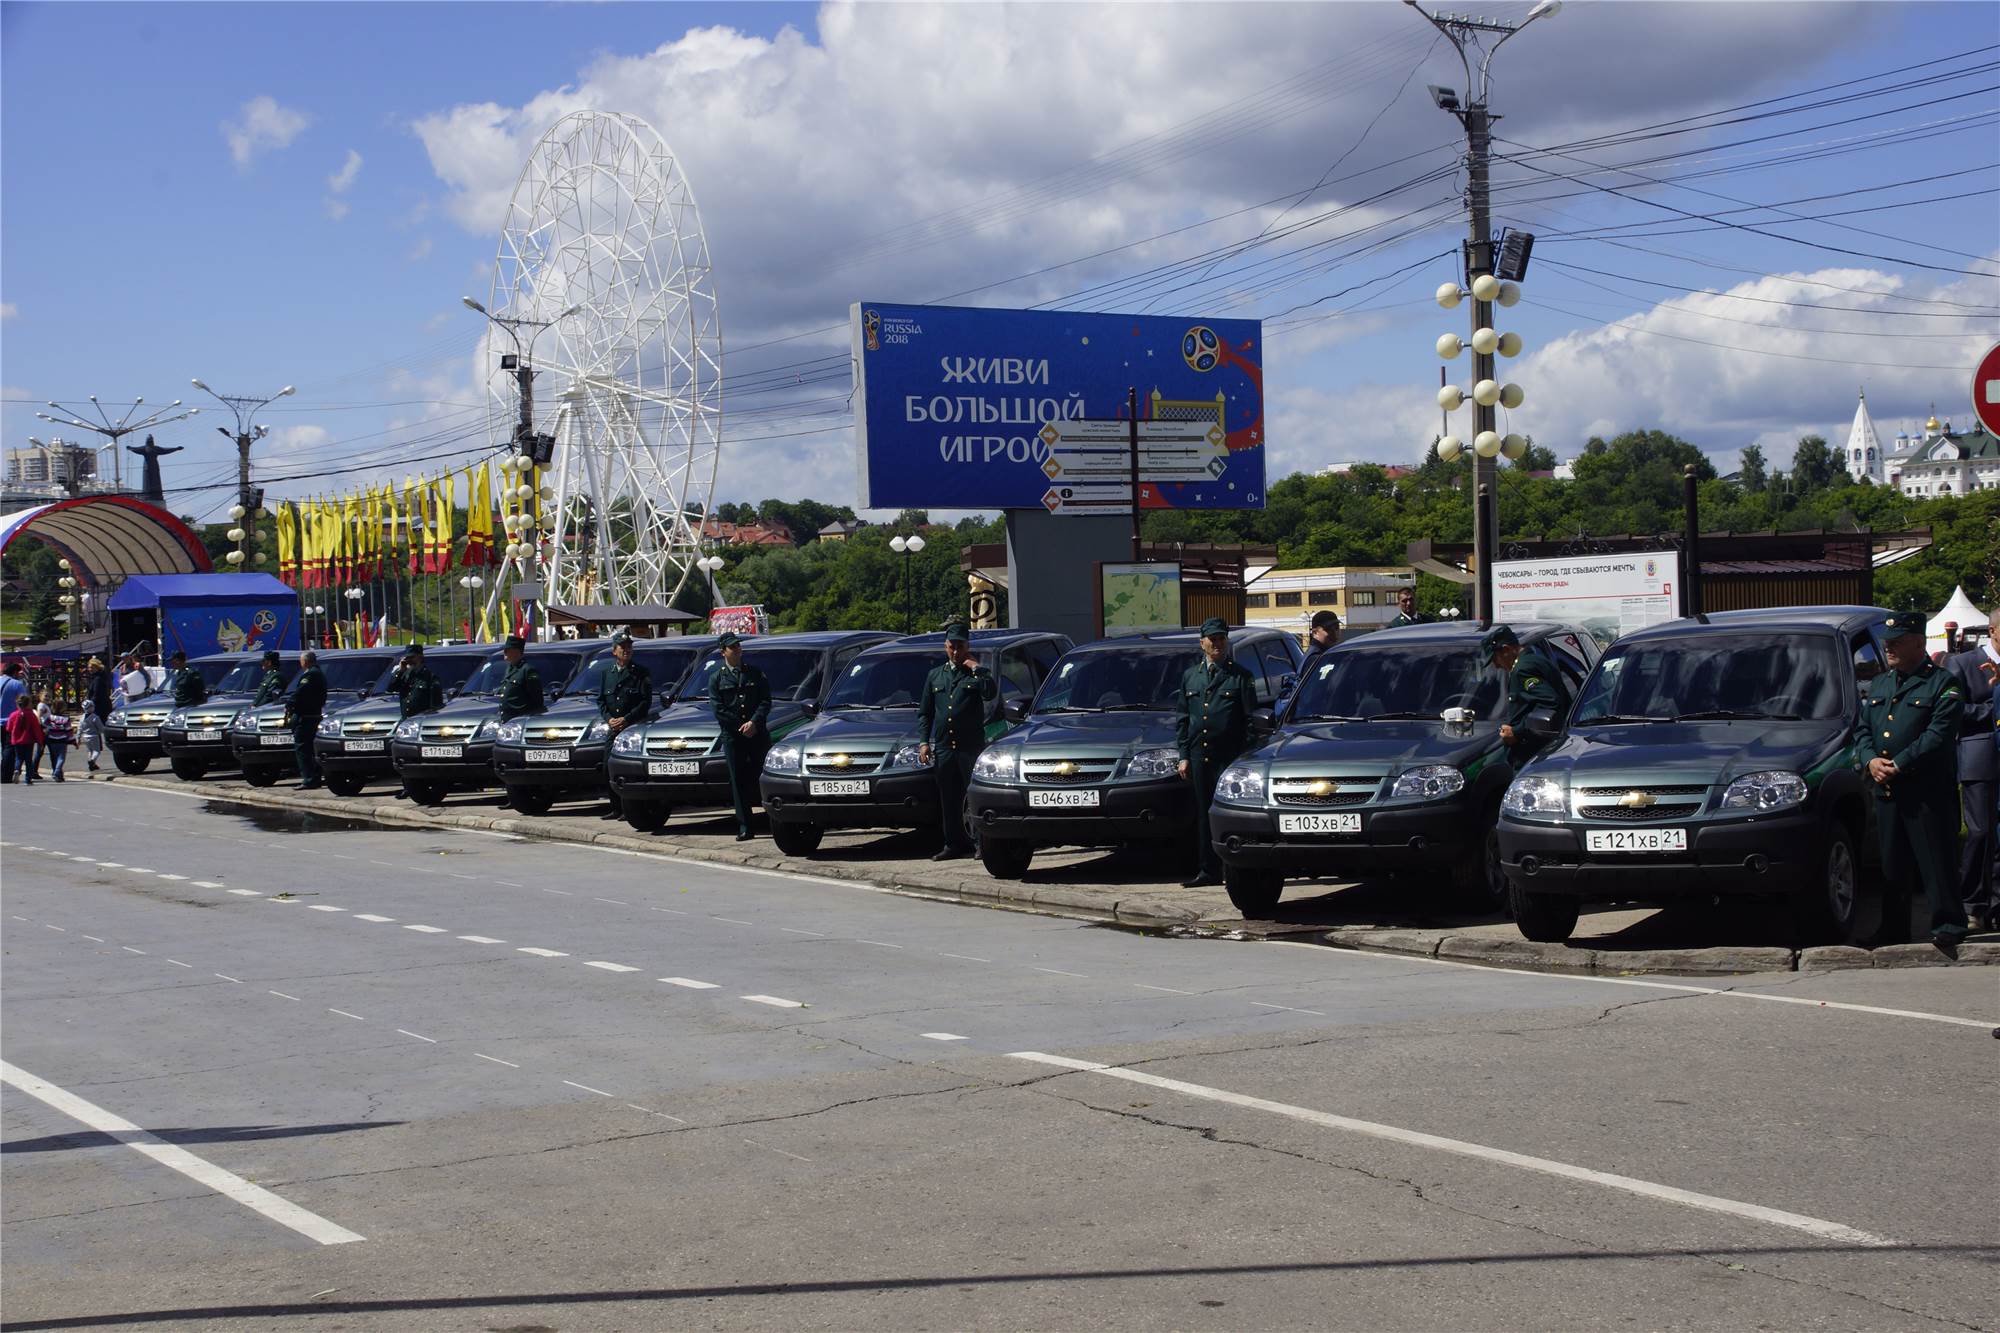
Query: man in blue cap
[[740, 695], [1212, 730], [1538, 697], [952, 721], [1907, 742]]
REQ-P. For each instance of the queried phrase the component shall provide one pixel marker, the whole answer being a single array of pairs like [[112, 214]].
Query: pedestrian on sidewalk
[[1217, 695], [624, 699], [12, 687], [520, 687], [24, 736], [1978, 772], [303, 712], [97, 708], [58, 730], [952, 723], [740, 695]]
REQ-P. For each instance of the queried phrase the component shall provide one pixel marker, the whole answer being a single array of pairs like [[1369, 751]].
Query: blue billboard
[[963, 408]]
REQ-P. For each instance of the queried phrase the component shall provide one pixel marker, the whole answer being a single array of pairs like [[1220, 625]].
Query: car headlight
[[909, 755], [329, 726], [1432, 782], [1240, 784], [595, 732], [1164, 763], [177, 719], [245, 720], [486, 730], [117, 718], [784, 758], [1532, 796], [629, 741], [1765, 791], [1001, 763], [507, 733]]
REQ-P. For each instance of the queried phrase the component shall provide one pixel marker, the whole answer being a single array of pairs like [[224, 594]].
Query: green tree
[[1815, 467], [1754, 479], [44, 624]]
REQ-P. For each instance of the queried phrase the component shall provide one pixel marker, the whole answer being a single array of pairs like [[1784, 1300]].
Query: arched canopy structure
[[109, 537]]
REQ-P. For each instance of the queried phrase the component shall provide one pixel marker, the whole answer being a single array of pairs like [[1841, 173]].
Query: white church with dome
[[1940, 461]]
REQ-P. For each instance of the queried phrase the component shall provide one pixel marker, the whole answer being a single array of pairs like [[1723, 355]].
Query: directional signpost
[[1089, 466], [1986, 390]]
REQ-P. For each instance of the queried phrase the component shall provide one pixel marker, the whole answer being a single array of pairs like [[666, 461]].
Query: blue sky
[[138, 248]]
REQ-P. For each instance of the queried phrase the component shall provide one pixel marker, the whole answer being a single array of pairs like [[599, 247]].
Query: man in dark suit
[[1977, 777]]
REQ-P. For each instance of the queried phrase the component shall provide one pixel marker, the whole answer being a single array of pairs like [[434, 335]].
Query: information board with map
[[1136, 597]]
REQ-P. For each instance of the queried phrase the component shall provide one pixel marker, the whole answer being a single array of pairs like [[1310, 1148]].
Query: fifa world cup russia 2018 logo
[[265, 621], [1200, 348], [871, 324]]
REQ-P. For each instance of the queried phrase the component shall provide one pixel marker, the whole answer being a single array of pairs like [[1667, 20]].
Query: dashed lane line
[[428, 930], [497, 1060], [780, 1151], [327, 907], [246, 893], [281, 995], [775, 1001], [1056, 971], [964, 957], [418, 1035], [481, 939], [129, 949], [206, 884], [942, 1036], [880, 944], [1290, 1009], [612, 967], [690, 983], [1168, 989], [371, 916], [47, 926], [344, 1014], [543, 953], [587, 1088]]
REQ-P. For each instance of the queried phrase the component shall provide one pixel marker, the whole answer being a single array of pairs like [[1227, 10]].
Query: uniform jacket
[[739, 695], [1214, 721], [418, 691], [627, 692], [1536, 693], [952, 717], [309, 697], [1402, 619], [1912, 721], [521, 691], [188, 688], [270, 689], [1975, 721]]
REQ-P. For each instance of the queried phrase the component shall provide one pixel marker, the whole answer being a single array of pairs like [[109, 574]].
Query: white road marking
[[498, 1061], [775, 1001], [964, 957], [543, 953], [509, 883], [110, 865], [126, 947], [1060, 973], [281, 995], [94, 939], [238, 981], [64, 930], [675, 911], [564, 893], [481, 939], [139, 870], [1290, 1009], [612, 967], [615, 902], [880, 944], [87, 860], [1416, 1139], [285, 899], [173, 877], [428, 930], [344, 1014], [178, 963], [226, 1183], [246, 893], [1168, 989], [324, 907], [662, 1114], [690, 983], [369, 916], [587, 1088], [780, 1151], [11, 916], [418, 1035], [943, 1036], [732, 921], [794, 930], [206, 884]]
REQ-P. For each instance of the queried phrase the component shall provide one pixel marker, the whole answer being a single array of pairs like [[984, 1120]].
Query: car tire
[[345, 784], [1835, 904], [1546, 918], [796, 839], [1005, 858], [187, 770], [530, 801], [646, 816], [134, 764], [424, 793], [1253, 891], [260, 775], [1479, 884]]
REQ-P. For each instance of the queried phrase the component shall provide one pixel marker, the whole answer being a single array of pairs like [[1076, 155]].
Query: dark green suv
[[1708, 757], [1388, 759]]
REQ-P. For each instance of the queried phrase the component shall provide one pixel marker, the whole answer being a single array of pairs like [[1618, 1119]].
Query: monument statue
[[152, 489]]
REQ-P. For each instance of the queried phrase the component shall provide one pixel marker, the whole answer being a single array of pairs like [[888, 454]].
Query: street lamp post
[[523, 367], [354, 596], [312, 613], [114, 431], [248, 501], [708, 565], [906, 547]]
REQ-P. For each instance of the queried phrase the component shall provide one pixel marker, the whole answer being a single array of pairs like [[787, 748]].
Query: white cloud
[[8, 310], [337, 209], [261, 126], [339, 183], [293, 443], [421, 250]]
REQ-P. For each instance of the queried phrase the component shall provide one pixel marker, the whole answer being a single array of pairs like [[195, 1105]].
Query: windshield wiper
[[1615, 719], [861, 708], [1395, 717], [1132, 708], [1068, 708], [1725, 714], [1328, 717]]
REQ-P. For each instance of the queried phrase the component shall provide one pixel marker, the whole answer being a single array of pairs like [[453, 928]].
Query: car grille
[[208, 721], [368, 726], [679, 747], [273, 722], [553, 733], [858, 761], [447, 733], [1284, 797], [1050, 772], [1347, 789], [1670, 802], [146, 719]]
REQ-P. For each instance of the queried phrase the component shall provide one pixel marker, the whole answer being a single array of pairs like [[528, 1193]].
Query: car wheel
[[647, 816], [796, 839], [134, 764], [530, 801], [424, 793], [260, 775], [1253, 891], [188, 770], [345, 784], [1836, 903], [1005, 858], [1546, 918], [1479, 884]]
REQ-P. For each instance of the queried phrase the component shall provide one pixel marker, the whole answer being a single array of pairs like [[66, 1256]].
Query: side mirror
[[451, 691], [810, 707], [1287, 685], [1263, 722], [1014, 710]]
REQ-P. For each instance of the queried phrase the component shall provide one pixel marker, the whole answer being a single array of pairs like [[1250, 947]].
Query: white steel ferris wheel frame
[[630, 384]]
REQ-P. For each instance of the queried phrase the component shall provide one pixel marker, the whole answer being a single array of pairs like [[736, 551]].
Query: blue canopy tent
[[206, 613]]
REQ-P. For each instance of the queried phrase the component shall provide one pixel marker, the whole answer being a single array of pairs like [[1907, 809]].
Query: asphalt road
[[262, 1073]]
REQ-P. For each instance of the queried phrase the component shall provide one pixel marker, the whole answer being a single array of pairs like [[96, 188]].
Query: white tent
[[1958, 611]]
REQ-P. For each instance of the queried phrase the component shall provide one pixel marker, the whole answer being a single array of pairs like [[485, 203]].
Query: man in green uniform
[[1907, 740], [416, 686], [1406, 610], [271, 686], [740, 696], [624, 699], [1214, 726], [952, 722], [521, 686], [1538, 697], [186, 683], [303, 711]]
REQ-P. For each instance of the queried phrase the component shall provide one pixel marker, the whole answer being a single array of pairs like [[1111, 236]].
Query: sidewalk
[[1697, 940]]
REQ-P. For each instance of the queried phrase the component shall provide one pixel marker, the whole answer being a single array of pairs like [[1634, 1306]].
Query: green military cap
[[728, 639], [270, 656], [178, 656], [515, 641], [956, 630], [413, 650], [1215, 627], [622, 639], [1904, 622], [1497, 638]]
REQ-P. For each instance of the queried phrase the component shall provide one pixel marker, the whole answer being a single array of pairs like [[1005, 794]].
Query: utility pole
[[247, 433], [114, 431], [1466, 32]]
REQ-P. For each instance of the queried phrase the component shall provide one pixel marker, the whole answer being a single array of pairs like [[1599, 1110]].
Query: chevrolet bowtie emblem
[[1067, 768], [841, 760], [677, 743], [550, 731], [1636, 800], [1320, 787]]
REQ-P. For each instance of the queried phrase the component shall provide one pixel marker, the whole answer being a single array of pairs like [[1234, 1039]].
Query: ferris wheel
[[603, 251]]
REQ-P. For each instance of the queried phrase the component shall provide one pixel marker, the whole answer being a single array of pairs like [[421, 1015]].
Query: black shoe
[[744, 835], [611, 814], [311, 786], [951, 854], [93, 765], [1946, 943], [59, 777], [1202, 881]]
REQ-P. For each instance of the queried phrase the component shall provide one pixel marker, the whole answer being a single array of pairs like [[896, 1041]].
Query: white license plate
[[274, 740], [361, 747], [441, 752], [1319, 823], [204, 735], [673, 768], [1636, 840], [838, 787], [1062, 800], [142, 733], [548, 756]]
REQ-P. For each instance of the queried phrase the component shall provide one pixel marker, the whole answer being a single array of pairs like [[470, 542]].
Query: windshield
[[883, 680], [242, 679], [457, 668], [665, 665], [793, 672], [1769, 676], [1122, 678], [1366, 683], [349, 673], [212, 672]]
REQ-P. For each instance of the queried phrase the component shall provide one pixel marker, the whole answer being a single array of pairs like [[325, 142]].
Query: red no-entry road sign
[[1986, 390]]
